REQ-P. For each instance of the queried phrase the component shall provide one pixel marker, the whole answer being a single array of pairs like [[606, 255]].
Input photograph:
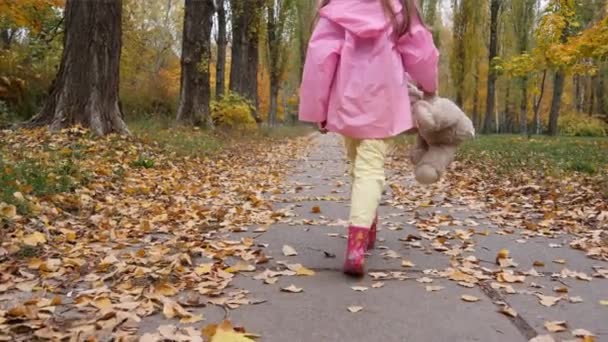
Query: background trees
[[516, 66]]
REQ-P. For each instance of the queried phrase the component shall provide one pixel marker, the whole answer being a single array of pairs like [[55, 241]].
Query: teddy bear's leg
[[419, 150], [433, 164]]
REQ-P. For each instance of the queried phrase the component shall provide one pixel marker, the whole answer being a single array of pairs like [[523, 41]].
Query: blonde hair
[[401, 27]]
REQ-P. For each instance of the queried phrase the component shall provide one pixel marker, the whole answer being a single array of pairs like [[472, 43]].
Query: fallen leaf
[[538, 264], [34, 239], [432, 288], [407, 263], [381, 284], [225, 332], [203, 269], [556, 326], [582, 333], [424, 280], [301, 270], [575, 299], [559, 261], [465, 284], [507, 310], [292, 289], [104, 304], [240, 267], [355, 309], [507, 277], [289, 251], [542, 338], [502, 255], [548, 301], [316, 210], [360, 288], [469, 298], [8, 211], [604, 302]]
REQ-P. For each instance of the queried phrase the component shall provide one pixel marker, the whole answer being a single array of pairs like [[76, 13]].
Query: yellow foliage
[[233, 111], [581, 125], [26, 13]]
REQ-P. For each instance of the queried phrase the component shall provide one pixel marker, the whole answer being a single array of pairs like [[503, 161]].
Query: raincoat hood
[[364, 18]]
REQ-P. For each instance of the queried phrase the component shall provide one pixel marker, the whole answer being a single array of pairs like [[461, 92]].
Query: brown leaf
[[556, 326], [548, 301], [316, 210], [469, 298]]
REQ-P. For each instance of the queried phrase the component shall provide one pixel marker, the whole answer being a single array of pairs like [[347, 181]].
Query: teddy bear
[[442, 127]]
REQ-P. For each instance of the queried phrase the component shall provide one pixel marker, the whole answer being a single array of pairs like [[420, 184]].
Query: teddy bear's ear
[[415, 93]]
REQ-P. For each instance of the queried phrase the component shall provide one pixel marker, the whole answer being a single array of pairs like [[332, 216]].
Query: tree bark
[[489, 124], [599, 90], [558, 89], [537, 104], [195, 91], [523, 123], [85, 91], [245, 49], [220, 79]]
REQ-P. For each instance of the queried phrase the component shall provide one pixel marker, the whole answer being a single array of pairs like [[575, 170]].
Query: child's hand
[[322, 128]]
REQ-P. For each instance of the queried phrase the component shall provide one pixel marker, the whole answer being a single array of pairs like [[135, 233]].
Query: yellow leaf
[[104, 304], [240, 267], [165, 289], [70, 235], [8, 211], [604, 302], [34, 239], [203, 269], [226, 333], [407, 263]]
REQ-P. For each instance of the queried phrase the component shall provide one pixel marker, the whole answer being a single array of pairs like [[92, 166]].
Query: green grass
[[189, 141], [557, 154], [60, 173]]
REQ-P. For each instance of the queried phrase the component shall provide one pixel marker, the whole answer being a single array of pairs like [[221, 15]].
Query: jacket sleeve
[[420, 56], [319, 70]]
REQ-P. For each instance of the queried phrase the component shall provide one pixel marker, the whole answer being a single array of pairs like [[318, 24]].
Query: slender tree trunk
[[475, 117], [592, 95], [220, 78], [523, 117], [195, 92], [537, 104], [246, 23], [493, 52], [599, 90], [558, 89], [506, 124], [85, 91]]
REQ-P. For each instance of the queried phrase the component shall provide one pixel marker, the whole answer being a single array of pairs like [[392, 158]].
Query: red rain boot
[[355, 253], [372, 234]]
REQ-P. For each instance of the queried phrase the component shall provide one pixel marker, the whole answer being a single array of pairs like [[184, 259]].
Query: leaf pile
[[141, 234]]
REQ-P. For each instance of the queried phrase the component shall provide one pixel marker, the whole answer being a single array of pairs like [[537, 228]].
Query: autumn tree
[[489, 124], [85, 91], [279, 23], [523, 16], [305, 13], [195, 93], [246, 28], [222, 42]]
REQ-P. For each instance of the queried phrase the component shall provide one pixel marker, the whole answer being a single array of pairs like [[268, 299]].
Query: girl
[[360, 57]]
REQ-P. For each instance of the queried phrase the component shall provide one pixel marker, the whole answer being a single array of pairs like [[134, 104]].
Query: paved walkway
[[411, 293]]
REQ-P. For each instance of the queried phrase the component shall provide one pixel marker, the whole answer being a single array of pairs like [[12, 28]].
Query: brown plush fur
[[442, 127]]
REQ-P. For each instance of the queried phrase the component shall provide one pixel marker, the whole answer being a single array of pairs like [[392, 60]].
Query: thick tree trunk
[[558, 89], [196, 59], [475, 116], [245, 49], [488, 125], [274, 104], [220, 78], [85, 91]]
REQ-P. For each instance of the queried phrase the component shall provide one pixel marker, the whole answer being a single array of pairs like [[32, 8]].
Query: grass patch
[[553, 154], [193, 141], [39, 177]]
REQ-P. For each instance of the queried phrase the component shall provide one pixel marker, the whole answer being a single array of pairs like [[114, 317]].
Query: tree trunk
[[245, 49], [475, 117], [459, 54], [558, 89], [507, 120], [85, 91], [537, 104], [274, 104], [195, 91], [599, 90], [220, 78], [592, 95], [488, 125], [523, 123]]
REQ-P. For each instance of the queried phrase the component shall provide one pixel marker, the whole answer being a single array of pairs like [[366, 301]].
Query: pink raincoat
[[355, 71]]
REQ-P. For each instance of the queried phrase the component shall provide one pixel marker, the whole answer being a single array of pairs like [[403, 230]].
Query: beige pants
[[366, 158]]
